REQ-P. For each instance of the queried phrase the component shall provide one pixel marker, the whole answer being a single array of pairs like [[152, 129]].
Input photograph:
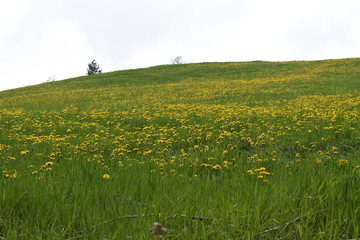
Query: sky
[[42, 40]]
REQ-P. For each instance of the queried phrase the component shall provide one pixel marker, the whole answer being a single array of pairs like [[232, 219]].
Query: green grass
[[258, 150]]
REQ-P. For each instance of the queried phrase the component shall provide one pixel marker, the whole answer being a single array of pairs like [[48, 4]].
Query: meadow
[[252, 150]]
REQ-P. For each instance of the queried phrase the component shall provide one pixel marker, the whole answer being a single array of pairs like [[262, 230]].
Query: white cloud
[[10, 14], [40, 45]]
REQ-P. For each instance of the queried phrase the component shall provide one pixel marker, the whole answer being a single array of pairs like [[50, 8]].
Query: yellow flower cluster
[[190, 125], [260, 173], [6, 174]]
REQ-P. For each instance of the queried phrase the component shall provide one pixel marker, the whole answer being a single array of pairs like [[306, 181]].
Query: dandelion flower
[[216, 167], [106, 176], [251, 172], [24, 152], [343, 162]]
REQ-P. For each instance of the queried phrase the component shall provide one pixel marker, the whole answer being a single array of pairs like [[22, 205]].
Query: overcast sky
[[42, 39]]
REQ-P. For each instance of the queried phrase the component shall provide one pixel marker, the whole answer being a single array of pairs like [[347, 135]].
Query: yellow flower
[[264, 173], [24, 152], [49, 163], [343, 162], [106, 176], [260, 169], [251, 172], [205, 165], [216, 167]]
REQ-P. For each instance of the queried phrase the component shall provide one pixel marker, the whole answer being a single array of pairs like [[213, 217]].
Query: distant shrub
[[93, 68], [51, 78], [177, 60]]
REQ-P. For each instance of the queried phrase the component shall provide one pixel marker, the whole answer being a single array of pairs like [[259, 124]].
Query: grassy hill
[[226, 82], [254, 150]]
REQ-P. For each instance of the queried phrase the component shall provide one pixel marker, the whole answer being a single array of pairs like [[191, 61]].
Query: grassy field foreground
[[254, 150]]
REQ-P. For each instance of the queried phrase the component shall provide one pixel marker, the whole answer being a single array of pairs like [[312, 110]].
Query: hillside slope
[[257, 150], [214, 83]]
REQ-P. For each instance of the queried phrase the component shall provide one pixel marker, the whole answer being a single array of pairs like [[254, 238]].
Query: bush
[[177, 60]]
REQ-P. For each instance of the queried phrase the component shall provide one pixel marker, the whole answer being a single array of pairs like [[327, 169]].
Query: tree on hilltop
[[93, 68], [177, 60]]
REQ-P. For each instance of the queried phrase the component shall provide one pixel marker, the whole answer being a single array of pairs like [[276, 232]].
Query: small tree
[[177, 60], [51, 78], [93, 68]]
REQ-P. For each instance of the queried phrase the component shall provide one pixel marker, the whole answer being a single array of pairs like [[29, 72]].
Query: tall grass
[[212, 151]]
